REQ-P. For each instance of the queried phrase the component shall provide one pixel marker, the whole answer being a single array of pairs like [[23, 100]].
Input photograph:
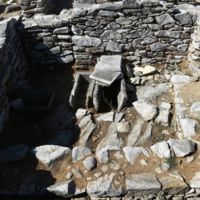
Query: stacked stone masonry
[[12, 65], [31, 7], [142, 32]]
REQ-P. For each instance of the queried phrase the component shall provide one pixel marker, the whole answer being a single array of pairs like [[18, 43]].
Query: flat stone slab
[[107, 69], [49, 155], [143, 184], [13, 153]]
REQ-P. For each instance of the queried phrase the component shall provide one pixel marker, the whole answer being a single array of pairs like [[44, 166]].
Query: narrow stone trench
[[38, 129]]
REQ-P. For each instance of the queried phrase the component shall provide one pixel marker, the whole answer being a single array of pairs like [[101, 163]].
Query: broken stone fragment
[[65, 189], [161, 149], [122, 97], [132, 153], [135, 133], [188, 127], [142, 184], [80, 152], [106, 117], [164, 111], [173, 184], [104, 187], [49, 155], [147, 110], [147, 70], [90, 163], [13, 153], [183, 147], [195, 110], [107, 69]]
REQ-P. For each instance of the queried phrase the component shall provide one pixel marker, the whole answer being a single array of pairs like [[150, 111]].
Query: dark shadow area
[[2, 7], [63, 4]]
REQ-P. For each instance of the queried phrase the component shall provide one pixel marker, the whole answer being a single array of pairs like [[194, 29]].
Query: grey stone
[[113, 47], [13, 153], [195, 110], [146, 137], [132, 153], [122, 97], [147, 110], [151, 92], [158, 46], [49, 155], [161, 149], [111, 141], [103, 155], [107, 69], [86, 133], [184, 19], [165, 19], [103, 187], [135, 133], [63, 30], [86, 41], [143, 184], [80, 152], [183, 147], [90, 163], [65, 189], [188, 127], [174, 184]]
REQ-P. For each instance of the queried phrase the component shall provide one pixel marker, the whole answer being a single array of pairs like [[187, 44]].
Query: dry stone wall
[[13, 66], [142, 32]]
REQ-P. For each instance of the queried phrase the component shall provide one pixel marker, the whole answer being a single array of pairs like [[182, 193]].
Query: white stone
[[147, 110], [80, 113], [109, 117], [161, 149], [195, 182], [90, 163], [188, 127]]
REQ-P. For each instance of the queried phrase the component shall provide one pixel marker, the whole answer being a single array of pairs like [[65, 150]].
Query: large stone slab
[[107, 69], [143, 184], [86, 41]]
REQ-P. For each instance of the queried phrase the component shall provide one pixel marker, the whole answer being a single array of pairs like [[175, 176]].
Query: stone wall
[[12, 65], [142, 32]]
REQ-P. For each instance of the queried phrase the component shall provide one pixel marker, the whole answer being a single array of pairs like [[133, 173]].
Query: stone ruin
[[131, 130]]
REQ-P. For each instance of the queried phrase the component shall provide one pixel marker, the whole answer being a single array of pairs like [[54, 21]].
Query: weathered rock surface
[[103, 187], [161, 149], [183, 147], [147, 110], [80, 152], [143, 184], [49, 155]]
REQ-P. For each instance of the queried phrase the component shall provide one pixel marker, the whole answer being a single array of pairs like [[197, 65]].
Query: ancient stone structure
[[142, 60]]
